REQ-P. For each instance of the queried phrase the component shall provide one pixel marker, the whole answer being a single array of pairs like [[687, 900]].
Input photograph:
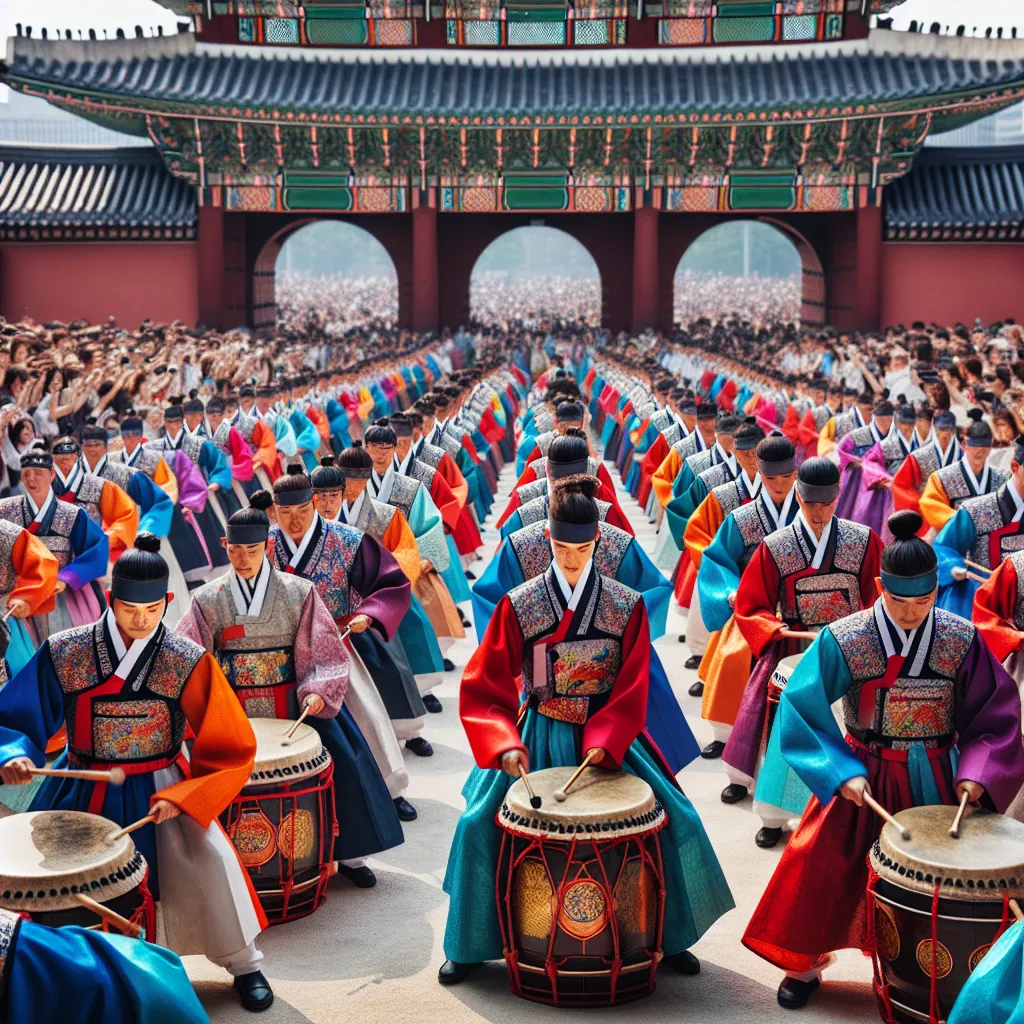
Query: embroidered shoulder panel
[[540, 467], [192, 446], [611, 550], [173, 664], [661, 419], [64, 517], [603, 508], [987, 517], [535, 489], [533, 511], [748, 521], [845, 424], [822, 414], [927, 459], [996, 478], [851, 545], [786, 551], [431, 454], [715, 476], [687, 446], [729, 496], [950, 643], [858, 639], [72, 654], [90, 493], [531, 548], [450, 444], [422, 472], [533, 607], [701, 461], [11, 510], [9, 534], [403, 494], [894, 453], [863, 437], [954, 483], [614, 606], [671, 433], [118, 473], [544, 420], [543, 441]]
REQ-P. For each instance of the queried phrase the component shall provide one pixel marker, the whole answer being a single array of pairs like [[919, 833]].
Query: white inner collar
[[127, 657], [980, 486], [352, 510], [249, 601], [817, 543], [572, 595], [780, 517], [40, 513], [300, 550], [383, 485], [883, 620]]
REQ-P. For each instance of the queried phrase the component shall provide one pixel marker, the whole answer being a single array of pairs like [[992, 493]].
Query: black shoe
[[793, 994], [254, 992], [419, 746], [406, 811], [693, 661], [696, 690], [449, 665], [714, 749], [466, 624], [684, 963], [470, 575], [682, 638], [768, 839], [734, 793], [362, 877], [452, 972], [432, 704]]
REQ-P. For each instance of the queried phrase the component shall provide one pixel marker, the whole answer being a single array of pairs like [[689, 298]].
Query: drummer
[[902, 652], [277, 642], [601, 627], [127, 689]]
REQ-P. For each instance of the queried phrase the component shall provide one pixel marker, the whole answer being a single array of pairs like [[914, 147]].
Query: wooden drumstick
[[977, 565], [119, 922], [535, 801], [7, 614], [291, 732], [1017, 912], [348, 629], [885, 815], [133, 826], [560, 794], [954, 829], [977, 579], [113, 777]]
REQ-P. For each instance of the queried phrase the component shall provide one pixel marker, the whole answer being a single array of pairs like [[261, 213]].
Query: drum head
[[48, 856], [616, 803], [984, 863], [280, 759]]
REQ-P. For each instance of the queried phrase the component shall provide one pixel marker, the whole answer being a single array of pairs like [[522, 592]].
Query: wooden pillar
[[645, 268], [424, 267], [867, 296], [211, 265]]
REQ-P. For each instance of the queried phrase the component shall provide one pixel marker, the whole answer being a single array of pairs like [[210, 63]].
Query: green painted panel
[[534, 14], [744, 30], [347, 31], [536, 192], [745, 8], [302, 198], [770, 190]]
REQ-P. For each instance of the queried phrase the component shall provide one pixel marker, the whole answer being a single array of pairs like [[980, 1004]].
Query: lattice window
[[590, 33], [481, 33], [800, 26], [337, 31], [281, 30], [540, 33]]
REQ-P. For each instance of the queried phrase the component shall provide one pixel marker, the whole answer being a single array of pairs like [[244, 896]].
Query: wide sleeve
[[906, 486], [445, 501], [679, 510], [702, 527], [321, 661], [870, 570], [808, 433], [224, 749], [827, 437], [665, 475], [873, 470], [719, 575], [165, 480], [31, 710], [489, 693], [284, 437], [428, 530], [757, 598], [988, 729], [621, 719], [92, 550], [994, 612], [215, 466], [36, 568], [809, 735], [400, 541], [503, 572], [847, 458], [241, 456], [191, 483], [952, 544], [936, 508], [120, 517], [385, 590], [266, 451], [193, 626], [155, 506], [638, 572]]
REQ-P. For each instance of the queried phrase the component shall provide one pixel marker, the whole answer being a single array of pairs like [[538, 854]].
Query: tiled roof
[[92, 193], [972, 194]]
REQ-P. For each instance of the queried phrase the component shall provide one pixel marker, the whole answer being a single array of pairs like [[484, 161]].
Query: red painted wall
[[949, 282], [94, 280]]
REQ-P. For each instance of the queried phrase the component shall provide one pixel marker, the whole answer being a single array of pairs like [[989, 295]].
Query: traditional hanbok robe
[[602, 626], [130, 708], [727, 660], [985, 530], [262, 441], [812, 582], [307, 438], [811, 426], [906, 700], [665, 475], [950, 486], [185, 486], [853, 451], [705, 471], [654, 457], [465, 533], [355, 575], [666, 550], [81, 549], [837, 428], [873, 504], [239, 457], [414, 649], [994, 992], [909, 482], [277, 644], [77, 976], [28, 572], [156, 511], [104, 502]]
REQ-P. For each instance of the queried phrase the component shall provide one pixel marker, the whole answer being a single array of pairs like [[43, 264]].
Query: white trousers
[[697, 634]]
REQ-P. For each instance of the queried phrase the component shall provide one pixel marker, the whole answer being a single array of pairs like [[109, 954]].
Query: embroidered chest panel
[[534, 489], [751, 527], [701, 462], [375, 517], [403, 494], [844, 425], [145, 462], [863, 439], [118, 473], [715, 476], [422, 472], [535, 606], [89, 495], [192, 446], [928, 461], [431, 455], [275, 627], [893, 452], [9, 534], [329, 566], [987, 517], [729, 496], [450, 444]]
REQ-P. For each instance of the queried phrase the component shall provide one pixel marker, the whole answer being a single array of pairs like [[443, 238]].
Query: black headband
[[356, 472], [293, 497], [558, 470], [573, 533], [248, 533], [817, 495], [776, 468], [138, 591]]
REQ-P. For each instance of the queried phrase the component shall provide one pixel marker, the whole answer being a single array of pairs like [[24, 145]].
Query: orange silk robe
[[119, 517], [37, 568], [665, 476], [264, 456], [166, 480], [995, 611], [936, 508]]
